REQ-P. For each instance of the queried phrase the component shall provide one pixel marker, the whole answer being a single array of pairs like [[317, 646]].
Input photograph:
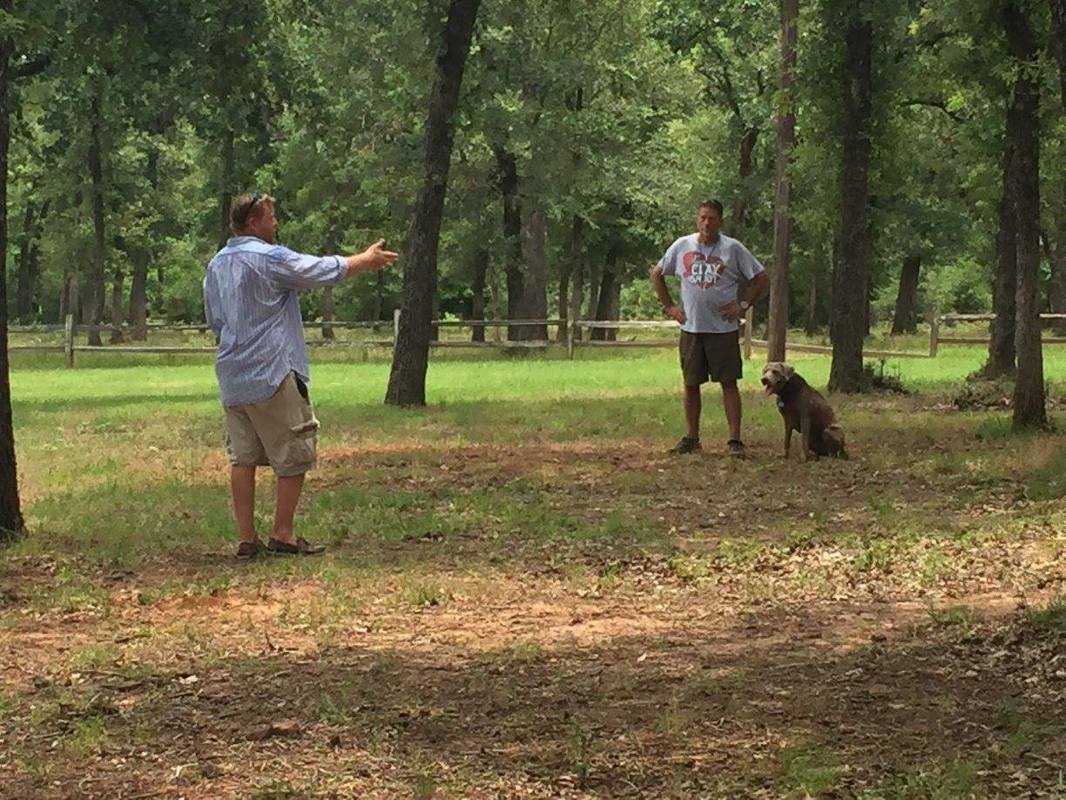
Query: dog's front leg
[[805, 431], [788, 437]]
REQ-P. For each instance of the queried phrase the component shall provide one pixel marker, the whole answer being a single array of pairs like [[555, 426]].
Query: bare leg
[[731, 401], [288, 495], [242, 487], [693, 405]]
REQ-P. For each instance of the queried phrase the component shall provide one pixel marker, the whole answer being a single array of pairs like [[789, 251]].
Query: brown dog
[[804, 410]]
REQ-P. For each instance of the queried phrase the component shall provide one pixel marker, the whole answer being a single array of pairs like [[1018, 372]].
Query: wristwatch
[[744, 305]]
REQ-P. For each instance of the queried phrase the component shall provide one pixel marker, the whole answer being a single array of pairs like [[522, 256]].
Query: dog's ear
[[787, 370]]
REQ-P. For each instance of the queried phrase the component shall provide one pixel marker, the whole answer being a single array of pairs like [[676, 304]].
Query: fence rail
[[573, 336]]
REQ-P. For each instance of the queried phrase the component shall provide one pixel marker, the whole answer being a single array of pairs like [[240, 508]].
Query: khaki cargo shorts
[[279, 432]]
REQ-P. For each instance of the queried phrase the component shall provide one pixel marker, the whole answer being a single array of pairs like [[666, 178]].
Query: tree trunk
[[138, 316], [379, 300], [905, 320], [507, 181], [407, 381], [1056, 290], [811, 326], [744, 169], [1058, 40], [535, 296], [786, 139], [570, 276], [27, 265], [328, 314], [117, 315], [1001, 345], [99, 253], [607, 297], [11, 522], [477, 302], [227, 189], [1030, 406], [850, 277], [329, 245]]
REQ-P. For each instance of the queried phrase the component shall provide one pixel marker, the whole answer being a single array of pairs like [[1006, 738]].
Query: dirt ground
[[767, 629]]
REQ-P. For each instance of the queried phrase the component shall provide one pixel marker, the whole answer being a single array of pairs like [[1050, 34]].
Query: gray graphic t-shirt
[[709, 276]]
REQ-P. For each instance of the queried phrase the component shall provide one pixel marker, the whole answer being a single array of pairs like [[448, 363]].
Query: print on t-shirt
[[700, 270]]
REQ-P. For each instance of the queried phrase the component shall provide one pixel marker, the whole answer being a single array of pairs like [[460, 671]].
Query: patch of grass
[[93, 657], [960, 618], [875, 555], [1049, 481], [425, 595], [579, 740], [87, 735], [689, 567], [951, 781], [1051, 617], [809, 771]]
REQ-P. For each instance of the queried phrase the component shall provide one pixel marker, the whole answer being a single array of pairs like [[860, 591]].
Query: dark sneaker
[[688, 444], [249, 549], [301, 547], [736, 448]]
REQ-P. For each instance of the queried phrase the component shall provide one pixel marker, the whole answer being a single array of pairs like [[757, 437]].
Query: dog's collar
[[780, 403]]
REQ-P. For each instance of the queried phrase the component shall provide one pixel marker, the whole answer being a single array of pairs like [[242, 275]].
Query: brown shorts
[[280, 432], [710, 356]]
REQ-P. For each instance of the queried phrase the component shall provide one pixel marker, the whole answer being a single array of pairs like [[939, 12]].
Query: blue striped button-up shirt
[[252, 304]]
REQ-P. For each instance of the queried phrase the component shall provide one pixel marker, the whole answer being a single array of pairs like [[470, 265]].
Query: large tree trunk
[[507, 181], [786, 139], [226, 188], [850, 278], [138, 316], [11, 523], [1058, 39], [407, 382], [535, 296], [99, 253], [1030, 407], [477, 301], [905, 320], [1001, 353]]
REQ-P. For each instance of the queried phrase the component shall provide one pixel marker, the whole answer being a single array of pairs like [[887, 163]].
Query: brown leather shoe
[[301, 547], [249, 549]]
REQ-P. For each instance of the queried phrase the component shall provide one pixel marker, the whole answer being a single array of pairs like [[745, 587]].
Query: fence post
[[934, 332], [395, 326], [749, 318], [68, 340]]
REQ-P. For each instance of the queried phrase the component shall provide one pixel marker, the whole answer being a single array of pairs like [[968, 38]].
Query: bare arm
[[756, 288], [373, 258], [663, 293]]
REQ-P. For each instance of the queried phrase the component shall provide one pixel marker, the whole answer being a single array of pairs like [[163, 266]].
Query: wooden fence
[[572, 336]]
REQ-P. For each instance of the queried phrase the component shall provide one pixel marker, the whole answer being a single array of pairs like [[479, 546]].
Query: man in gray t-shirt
[[710, 266]]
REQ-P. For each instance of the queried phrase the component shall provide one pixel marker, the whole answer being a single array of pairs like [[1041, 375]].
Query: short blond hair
[[241, 207]]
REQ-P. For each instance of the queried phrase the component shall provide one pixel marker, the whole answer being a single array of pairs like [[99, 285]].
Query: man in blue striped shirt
[[252, 303]]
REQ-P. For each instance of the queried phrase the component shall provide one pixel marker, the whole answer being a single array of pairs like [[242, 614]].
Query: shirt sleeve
[[748, 264], [294, 270], [210, 307], [668, 263]]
